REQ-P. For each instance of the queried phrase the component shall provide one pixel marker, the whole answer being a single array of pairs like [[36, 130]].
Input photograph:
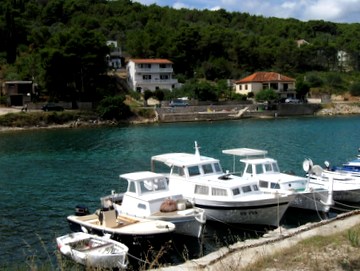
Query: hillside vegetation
[[61, 45]]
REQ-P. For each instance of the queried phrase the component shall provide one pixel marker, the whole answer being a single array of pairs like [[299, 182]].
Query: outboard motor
[[81, 210]]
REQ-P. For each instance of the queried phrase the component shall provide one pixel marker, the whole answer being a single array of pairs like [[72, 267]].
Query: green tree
[[302, 89], [114, 108], [266, 95], [147, 95], [355, 89], [75, 64], [159, 94]]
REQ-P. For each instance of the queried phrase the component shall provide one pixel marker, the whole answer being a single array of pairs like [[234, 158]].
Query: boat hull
[[93, 251], [189, 222], [344, 190], [144, 230], [191, 226], [315, 201], [268, 213]]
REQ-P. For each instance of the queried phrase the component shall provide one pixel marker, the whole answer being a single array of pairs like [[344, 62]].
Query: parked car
[[292, 101], [52, 107], [178, 102]]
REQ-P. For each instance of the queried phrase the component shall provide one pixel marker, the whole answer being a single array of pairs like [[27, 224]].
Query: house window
[[286, 87], [274, 86], [164, 76], [246, 87], [146, 77], [145, 66], [163, 66]]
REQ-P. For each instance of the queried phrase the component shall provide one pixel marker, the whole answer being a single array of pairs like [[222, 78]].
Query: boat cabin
[[145, 193], [265, 170], [202, 176]]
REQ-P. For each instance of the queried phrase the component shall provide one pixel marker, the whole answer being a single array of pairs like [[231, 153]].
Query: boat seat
[[109, 219]]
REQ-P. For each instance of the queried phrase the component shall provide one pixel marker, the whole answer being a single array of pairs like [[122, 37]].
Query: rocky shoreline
[[339, 109], [332, 109]]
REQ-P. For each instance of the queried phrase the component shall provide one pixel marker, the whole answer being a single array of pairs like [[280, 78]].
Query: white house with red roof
[[255, 82], [151, 74]]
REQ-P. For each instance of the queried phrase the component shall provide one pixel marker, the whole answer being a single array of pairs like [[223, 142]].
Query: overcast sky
[[339, 11]]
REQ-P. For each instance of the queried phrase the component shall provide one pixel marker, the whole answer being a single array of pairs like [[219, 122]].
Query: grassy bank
[[336, 252]]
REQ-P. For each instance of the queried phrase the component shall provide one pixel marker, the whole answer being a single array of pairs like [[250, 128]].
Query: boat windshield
[[267, 168], [153, 185]]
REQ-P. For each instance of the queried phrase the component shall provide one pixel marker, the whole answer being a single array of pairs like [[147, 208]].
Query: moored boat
[[345, 185], [93, 251], [122, 228], [148, 196], [255, 165], [224, 197]]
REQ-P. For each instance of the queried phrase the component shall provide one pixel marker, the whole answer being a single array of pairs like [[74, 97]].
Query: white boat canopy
[[245, 152]]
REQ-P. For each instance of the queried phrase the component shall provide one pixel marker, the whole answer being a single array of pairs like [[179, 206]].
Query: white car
[[292, 101]]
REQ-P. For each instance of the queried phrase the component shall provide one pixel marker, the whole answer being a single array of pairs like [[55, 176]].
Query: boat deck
[[119, 222]]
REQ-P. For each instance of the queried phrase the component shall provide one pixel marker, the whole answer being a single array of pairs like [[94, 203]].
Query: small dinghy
[[93, 251]]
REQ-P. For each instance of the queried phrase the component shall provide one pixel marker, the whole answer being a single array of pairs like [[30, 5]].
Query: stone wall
[[229, 112]]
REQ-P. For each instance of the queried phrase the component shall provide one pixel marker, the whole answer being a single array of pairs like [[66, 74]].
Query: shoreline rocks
[[339, 109]]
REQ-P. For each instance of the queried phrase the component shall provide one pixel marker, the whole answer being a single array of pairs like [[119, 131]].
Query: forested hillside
[[61, 44]]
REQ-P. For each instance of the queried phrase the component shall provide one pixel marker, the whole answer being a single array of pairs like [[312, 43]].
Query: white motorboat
[[93, 251], [122, 227], [225, 197], [350, 168], [148, 196], [345, 185], [265, 171]]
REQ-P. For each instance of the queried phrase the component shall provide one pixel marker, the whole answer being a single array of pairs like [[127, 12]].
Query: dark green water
[[44, 174]]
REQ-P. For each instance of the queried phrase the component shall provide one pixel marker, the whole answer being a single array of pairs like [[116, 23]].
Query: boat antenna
[[197, 150]]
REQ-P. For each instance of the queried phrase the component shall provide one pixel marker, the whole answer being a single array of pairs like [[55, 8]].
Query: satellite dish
[[307, 165]]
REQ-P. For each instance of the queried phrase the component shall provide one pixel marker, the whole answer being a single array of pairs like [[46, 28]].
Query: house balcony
[[156, 81], [153, 70]]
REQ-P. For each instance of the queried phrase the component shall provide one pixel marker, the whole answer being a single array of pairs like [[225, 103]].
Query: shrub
[[354, 237], [3, 100], [114, 108], [314, 81], [355, 89], [266, 95]]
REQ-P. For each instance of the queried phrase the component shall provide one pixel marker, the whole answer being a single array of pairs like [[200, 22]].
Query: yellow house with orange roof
[[258, 81]]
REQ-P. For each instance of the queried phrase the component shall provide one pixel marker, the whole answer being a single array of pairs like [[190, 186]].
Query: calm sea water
[[44, 174]]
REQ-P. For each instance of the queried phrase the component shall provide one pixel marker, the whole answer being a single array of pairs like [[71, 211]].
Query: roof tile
[[151, 61], [265, 77]]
